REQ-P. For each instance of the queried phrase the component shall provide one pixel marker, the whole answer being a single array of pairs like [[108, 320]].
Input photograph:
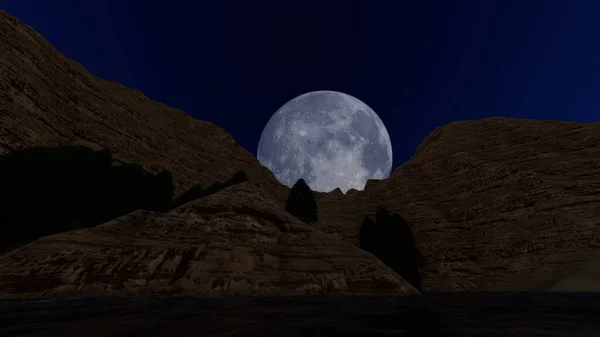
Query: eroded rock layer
[[47, 99], [233, 241], [495, 204]]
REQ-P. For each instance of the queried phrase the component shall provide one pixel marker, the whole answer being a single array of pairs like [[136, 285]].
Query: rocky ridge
[[234, 241], [495, 204], [47, 99]]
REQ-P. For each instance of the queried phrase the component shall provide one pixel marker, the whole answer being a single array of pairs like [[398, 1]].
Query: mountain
[[236, 240], [48, 100], [245, 239], [494, 204]]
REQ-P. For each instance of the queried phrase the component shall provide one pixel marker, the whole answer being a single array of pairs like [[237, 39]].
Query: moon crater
[[328, 138]]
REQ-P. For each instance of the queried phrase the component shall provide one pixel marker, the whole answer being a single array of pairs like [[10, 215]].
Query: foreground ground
[[443, 314]]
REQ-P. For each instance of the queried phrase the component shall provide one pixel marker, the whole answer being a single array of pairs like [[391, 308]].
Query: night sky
[[419, 64]]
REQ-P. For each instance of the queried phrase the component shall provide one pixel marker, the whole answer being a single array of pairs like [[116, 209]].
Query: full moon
[[328, 138]]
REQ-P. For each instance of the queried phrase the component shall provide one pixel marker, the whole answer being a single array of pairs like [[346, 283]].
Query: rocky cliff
[[495, 204], [47, 100], [236, 245], [235, 241]]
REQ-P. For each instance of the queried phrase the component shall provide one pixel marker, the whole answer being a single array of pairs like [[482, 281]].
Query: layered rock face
[[47, 100], [235, 241], [586, 278], [495, 204]]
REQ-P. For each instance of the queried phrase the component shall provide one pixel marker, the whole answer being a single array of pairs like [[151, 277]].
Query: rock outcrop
[[495, 204], [233, 241], [585, 277], [48, 100]]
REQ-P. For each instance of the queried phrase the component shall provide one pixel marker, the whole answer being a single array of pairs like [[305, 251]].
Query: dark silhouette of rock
[[408, 257], [390, 239], [301, 202], [367, 237], [51, 190], [196, 191], [236, 241], [48, 100]]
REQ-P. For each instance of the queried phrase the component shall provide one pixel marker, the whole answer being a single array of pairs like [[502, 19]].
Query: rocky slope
[[236, 240], [495, 204], [47, 99]]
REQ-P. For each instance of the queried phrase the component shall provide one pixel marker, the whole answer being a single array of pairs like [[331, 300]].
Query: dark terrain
[[497, 206], [437, 314]]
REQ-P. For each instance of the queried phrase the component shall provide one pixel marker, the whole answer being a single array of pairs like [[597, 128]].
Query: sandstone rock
[[584, 277], [47, 100], [495, 204], [233, 241]]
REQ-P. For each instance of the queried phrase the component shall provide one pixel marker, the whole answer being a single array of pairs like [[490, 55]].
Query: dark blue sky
[[419, 64]]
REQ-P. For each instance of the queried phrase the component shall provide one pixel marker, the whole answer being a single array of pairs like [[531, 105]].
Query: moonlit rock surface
[[328, 138]]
